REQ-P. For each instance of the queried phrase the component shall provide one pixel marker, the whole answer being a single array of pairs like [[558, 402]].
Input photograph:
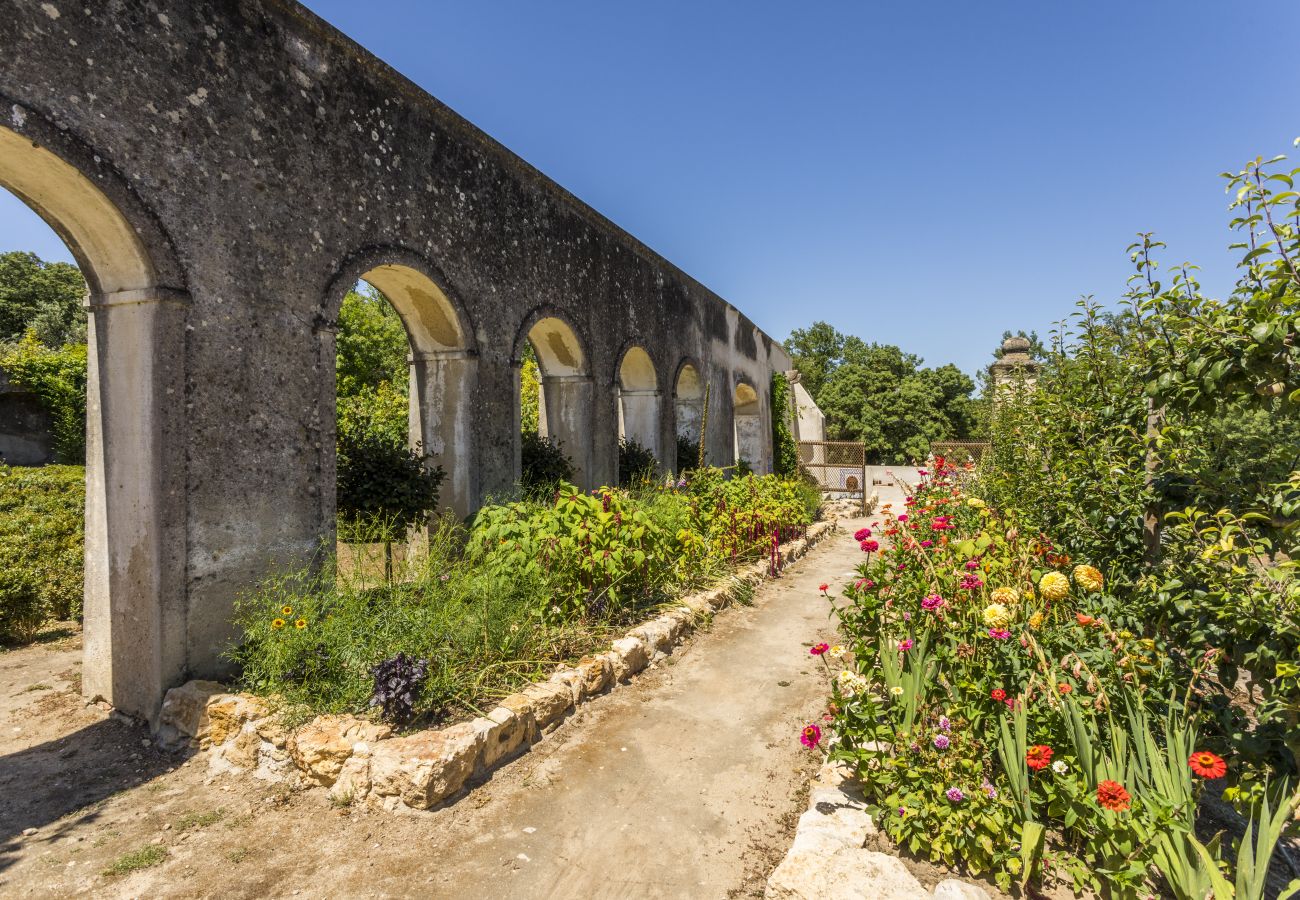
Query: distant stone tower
[[1015, 368]]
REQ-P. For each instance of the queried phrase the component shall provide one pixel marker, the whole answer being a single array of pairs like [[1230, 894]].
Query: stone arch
[[442, 359], [567, 403], [747, 425], [637, 381], [136, 636], [688, 399]]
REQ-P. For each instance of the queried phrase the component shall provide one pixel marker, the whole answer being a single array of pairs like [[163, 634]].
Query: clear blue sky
[[919, 174]]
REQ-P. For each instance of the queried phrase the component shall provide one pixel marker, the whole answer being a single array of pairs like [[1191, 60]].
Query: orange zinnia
[[1111, 794], [1038, 757], [1207, 764], [1083, 620]]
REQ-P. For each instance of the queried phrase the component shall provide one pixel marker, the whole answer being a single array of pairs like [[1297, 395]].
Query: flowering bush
[[996, 695]]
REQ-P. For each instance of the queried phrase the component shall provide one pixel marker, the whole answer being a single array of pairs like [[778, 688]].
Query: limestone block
[[426, 768], [846, 874], [227, 715], [550, 702], [573, 680], [519, 704], [596, 673], [952, 889], [505, 732], [244, 751], [320, 747], [657, 635], [353, 782], [184, 711], [633, 653]]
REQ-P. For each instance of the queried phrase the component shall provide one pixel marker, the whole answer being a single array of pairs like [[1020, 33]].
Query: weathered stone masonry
[[224, 172]]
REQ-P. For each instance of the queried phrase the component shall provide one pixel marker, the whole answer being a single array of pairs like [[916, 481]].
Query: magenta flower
[[927, 543], [903, 517], [955, 795], [972, 564], [1000, 633], [945, 725], [922, 472], [905, 644], [932, 602], [971, 582], [869, 546], [862, 534], [941, 742], [989, 789], [811, 736], [819, 649]]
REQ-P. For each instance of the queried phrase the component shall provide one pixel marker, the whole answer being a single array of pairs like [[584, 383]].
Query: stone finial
[[1015, 355]]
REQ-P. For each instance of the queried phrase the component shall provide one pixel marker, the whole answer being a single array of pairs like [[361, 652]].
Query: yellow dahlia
[[1054, 586], [1007, 596], [1088, 578], [975, 503], [996, 615], [1036, 620]]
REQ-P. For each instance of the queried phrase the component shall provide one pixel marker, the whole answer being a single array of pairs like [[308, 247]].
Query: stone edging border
[[362, 761], [829, 860]]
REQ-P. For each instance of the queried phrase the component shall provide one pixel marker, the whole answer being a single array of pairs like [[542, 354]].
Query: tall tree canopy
[[877, 394], [42, 297]]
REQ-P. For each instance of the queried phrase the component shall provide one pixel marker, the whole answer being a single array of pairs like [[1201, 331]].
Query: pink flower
[[811, 736], [903, 517], [906, 644], [1000, 633], [922, 472], [869, 546], [927, 543], [907, 617], [862, 534], [819, 649], [941, 742], [932, 602], [971, 582], [972, 564], [955, 795]]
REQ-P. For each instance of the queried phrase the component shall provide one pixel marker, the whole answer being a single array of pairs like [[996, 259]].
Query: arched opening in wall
[[639, 454], [688, 415], [748, 428], [556, 405], [403, 374], [105, 543]]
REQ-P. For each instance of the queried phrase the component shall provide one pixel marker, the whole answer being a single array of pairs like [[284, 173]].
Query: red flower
[[869, 546], [1064, 688], [810, 736], [823, 587], [819, 649], [998, 694], [1207, 764], [1112, 796], [862, 534], [1038, 757]]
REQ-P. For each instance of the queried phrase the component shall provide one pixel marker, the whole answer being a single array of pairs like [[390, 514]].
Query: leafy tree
[[43, 297], [372, 345], [530, 391], [58, 378], [816, 352]]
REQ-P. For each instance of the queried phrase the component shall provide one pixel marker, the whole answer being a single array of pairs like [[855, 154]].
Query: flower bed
[[991, 696]]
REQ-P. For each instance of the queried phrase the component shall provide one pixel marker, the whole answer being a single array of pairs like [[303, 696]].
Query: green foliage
[[44, 298], [42, 511], [785, 453], [882, 396], [636, 463], [372, 345], [383, 487], [58, 378], [530, 391], [543, 465], [688, 453]]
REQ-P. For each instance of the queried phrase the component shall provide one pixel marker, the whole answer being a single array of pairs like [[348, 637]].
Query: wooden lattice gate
[[839, 466]]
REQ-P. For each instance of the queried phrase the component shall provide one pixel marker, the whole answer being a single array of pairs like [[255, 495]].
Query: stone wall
[[224, 172], [26, 438]]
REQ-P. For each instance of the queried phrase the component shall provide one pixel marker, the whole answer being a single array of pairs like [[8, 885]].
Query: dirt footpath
[[684, 784]]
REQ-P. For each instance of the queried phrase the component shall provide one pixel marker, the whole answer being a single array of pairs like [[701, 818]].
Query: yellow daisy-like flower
[[277, 623], [286, 611], [1088, 578], [836, 651], [1036, 620], [996, 615], [975, 503], [1007, 596], [301, 623], [1054, 586], [896, 690]]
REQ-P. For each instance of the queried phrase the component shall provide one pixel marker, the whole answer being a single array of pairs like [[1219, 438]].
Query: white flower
[[896, 690], [1059, 767]]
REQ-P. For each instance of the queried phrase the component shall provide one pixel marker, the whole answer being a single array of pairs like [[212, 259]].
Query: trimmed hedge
[[42, 516]]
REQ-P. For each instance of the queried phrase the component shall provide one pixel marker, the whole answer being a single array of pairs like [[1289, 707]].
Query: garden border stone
[[828, 859], [360, 761]]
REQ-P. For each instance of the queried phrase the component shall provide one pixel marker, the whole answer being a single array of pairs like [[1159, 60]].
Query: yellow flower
[[1006, 596], [1088, 578], [286, 611], [896, 690], [975, 503], [1054, 586], [1036, 620], [277, 623], [996, 615], [837, 651], [301, 623]]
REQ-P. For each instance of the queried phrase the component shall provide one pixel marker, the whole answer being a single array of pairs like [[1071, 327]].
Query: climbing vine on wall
[[785, 455]]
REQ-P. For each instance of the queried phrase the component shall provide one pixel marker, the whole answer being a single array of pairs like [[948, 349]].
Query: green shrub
[[544, 465], [785, 453], [58, 379], [636, 463], [688, 454], [42, 513]]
